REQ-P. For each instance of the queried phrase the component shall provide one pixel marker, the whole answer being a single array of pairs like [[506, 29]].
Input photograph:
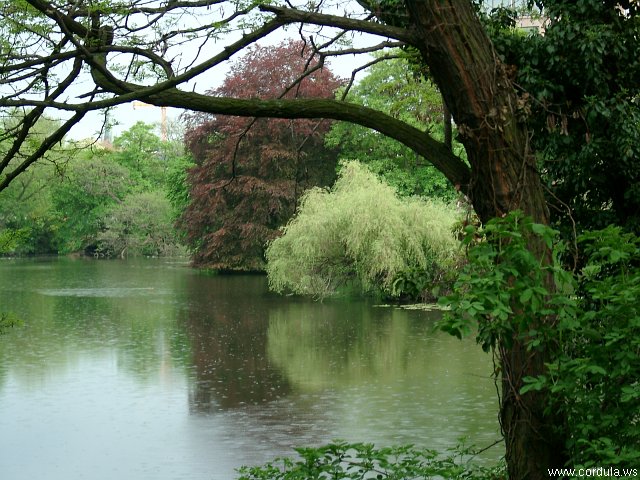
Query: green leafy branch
[[503, 288], [592, 344]]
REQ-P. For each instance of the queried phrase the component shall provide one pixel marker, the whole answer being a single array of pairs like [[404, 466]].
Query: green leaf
[[533, 383], [526, 295], [596, 369], [539, 229]]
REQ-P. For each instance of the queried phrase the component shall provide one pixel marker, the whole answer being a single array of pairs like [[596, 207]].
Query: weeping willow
[[359, 233]]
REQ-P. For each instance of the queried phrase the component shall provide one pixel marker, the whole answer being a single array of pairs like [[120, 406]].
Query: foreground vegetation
[[591, 384], [342, 461]]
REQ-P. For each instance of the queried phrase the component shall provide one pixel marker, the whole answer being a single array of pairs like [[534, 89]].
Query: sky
[[125, 116]]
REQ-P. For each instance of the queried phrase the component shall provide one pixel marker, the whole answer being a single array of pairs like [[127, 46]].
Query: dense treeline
[[251, 174], [246, 179], [102, 199]]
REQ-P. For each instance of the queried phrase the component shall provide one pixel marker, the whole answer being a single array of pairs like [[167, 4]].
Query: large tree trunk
[[484, 105]]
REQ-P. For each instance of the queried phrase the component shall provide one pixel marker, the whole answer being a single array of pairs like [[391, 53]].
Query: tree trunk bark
[[484, 105], [446, 124]]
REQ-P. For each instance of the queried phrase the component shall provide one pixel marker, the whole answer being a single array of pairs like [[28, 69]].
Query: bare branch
[[288, 15], [357, 51], [364, 67]]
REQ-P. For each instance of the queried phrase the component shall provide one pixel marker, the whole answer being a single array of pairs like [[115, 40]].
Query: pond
[[147, 369]]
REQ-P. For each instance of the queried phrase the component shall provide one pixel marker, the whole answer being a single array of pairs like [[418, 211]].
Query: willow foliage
[[359, 234]]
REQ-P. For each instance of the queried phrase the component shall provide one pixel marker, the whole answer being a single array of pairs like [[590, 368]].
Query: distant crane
[[163, 117], [107, 133]]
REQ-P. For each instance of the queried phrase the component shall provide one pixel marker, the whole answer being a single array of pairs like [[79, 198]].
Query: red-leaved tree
[[250, 173]]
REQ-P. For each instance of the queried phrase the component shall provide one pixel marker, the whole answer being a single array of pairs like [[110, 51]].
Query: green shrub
[[360, 234], [343, 461], [596, 378], [140, 225], [11, 238]]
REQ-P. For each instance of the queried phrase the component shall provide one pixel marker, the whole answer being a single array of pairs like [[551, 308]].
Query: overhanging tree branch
[[421, 142], [45, 146], [93, 45], [290, 15]]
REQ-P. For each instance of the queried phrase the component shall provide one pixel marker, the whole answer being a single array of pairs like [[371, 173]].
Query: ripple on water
[[106, 292]]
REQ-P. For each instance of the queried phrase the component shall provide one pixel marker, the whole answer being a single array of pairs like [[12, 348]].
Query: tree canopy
[[96, 200], [580, 94], [393, 86], [250, 173]]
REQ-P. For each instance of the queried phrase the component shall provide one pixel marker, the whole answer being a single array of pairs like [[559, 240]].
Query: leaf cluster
[[140, 225], [591, 338], [10, 238], [502, 290], [595, 379], [580, 100], [359, 461], [90, 187]]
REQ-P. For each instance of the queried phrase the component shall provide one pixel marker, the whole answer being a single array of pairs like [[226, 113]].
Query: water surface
[[147, 369]]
